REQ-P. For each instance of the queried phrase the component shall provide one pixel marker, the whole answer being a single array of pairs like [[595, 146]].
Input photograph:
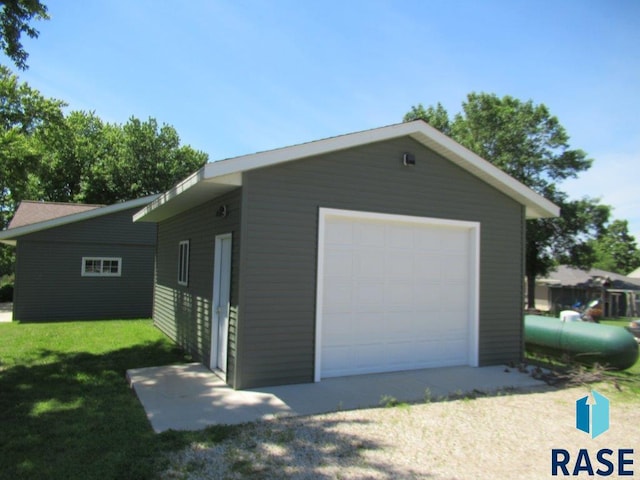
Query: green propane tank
[[584, 342]]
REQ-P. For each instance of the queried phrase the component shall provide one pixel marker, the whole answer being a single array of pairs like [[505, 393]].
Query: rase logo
[[592, 418]]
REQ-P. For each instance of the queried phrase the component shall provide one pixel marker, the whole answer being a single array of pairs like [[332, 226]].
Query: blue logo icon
[[593, 417]]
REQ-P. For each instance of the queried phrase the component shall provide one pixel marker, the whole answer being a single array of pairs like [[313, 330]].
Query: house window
[[101, 266], [183, 263]]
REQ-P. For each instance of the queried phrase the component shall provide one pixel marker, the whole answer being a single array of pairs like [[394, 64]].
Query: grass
[[66, 411]]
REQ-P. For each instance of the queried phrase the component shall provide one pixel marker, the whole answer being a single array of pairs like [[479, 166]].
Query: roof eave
[[229, 172], [10, 236], [194, 190]]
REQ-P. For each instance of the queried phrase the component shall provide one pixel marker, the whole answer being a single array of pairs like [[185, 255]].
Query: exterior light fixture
[[408, 159], [222, 211]]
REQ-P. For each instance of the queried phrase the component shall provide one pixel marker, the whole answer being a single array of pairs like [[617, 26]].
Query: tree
[[90, 161], [15, 16], [437, 117], [23, 113], [139, 159], [45, 155], [615, 250], [527, 142]]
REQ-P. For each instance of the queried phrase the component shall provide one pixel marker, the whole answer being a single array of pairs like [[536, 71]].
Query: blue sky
[[236, 77]]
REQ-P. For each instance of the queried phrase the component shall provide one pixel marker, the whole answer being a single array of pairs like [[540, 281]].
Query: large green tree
[[47, 155], [530, 144], [615, 249], [15, 16], [90, 161], [24, 112]]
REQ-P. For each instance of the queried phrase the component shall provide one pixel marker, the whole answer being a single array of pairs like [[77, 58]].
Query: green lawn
[[66, 411]]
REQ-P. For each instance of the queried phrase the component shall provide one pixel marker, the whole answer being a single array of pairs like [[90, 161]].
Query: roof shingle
[[29, 212]]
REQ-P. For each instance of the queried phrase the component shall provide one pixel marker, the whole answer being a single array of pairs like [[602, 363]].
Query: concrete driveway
[[191, 397]]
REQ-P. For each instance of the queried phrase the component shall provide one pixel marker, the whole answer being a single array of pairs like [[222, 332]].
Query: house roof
[[219, 177], [635, 273], [11, 234], [29, 212], [565, 276]]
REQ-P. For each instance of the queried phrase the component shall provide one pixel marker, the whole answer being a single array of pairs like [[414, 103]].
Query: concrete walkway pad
[[191, 397], [6, 312]]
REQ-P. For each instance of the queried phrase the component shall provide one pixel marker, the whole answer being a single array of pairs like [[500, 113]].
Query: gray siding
[[49, 284], [184, 312], [278, 251]]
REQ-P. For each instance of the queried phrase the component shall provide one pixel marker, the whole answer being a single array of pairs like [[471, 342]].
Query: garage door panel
[[457, 268], [367, 263], [339, 263], [334, 360], [427, 240], [338, 297], [427, 266], [369, 295], [399, 237], [370, 234], [338, 329], [427, 296], [399, 263], [454, 297], [404, 290], [454, 239], [399, 293]]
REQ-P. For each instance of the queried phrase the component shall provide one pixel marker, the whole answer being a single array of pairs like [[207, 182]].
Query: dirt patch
[[508, 436]]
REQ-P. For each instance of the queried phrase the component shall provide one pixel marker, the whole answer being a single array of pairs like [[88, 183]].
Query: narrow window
[[183, 263], [101, 267]]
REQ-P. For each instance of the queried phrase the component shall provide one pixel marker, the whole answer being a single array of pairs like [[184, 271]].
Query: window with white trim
[[183, 263], [101, 266]]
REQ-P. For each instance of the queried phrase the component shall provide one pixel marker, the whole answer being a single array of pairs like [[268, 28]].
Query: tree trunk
[[531, 264], [531, 291]]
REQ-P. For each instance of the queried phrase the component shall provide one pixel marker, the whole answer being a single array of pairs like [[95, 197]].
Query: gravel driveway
[[509, 436]]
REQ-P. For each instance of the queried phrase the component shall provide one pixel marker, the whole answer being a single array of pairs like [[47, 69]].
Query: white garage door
[[394, 293]]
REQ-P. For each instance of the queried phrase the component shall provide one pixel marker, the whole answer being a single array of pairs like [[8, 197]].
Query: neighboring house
[[568, 286], [635, 273], [81, 261], [383, 250]]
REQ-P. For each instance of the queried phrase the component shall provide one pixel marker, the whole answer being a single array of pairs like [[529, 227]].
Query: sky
[[242, 76]]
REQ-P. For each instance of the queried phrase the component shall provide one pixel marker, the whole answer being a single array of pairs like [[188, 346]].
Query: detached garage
[[81, 262], [384, 250]]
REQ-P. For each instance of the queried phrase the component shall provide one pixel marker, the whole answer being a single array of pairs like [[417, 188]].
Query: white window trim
[[183, 263], [101, 274]]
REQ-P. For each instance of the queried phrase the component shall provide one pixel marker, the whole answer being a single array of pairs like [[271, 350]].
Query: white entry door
[[221, 294]]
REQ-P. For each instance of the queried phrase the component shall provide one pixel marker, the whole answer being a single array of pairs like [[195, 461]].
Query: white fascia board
[[9, 236], [188, 193], [310, 149], [165, 197], [536, 205], [220, 172]]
